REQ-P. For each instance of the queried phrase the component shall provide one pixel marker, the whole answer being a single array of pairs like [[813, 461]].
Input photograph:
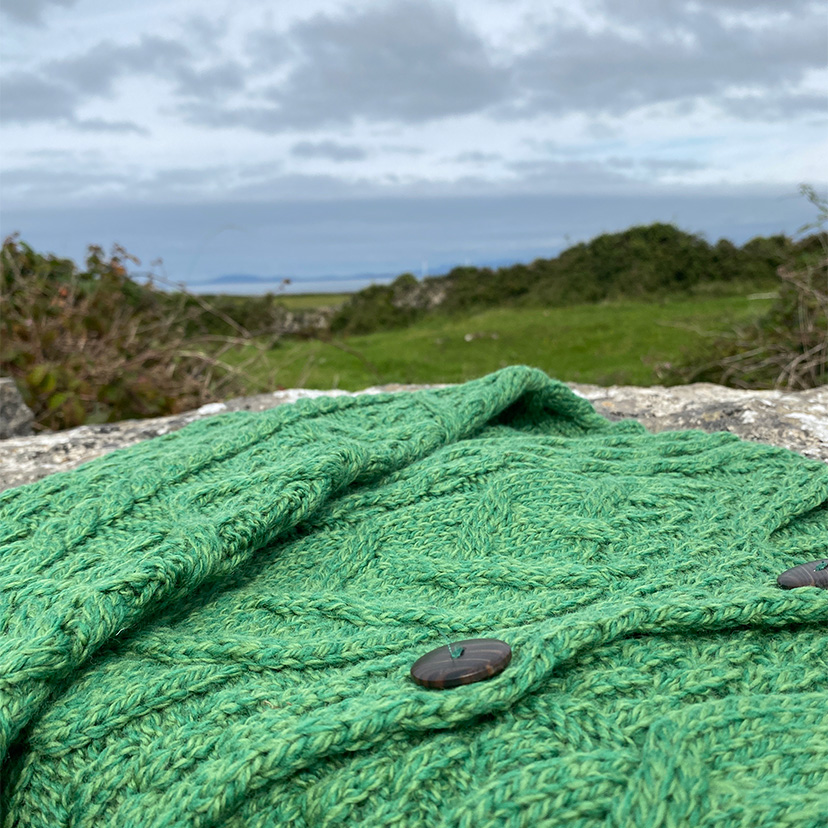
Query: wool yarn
[[216, 627]]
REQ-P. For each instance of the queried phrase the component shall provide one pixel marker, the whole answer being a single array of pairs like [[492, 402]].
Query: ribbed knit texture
[[215, 628]]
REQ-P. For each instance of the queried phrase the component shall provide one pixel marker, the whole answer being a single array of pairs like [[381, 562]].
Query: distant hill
[[650, 261], [243, 278]]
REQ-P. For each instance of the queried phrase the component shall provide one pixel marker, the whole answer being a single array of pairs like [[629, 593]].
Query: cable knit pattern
[[215, 628]]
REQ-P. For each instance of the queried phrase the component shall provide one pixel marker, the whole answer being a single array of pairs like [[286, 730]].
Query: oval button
[[478, 659], [814, 573]]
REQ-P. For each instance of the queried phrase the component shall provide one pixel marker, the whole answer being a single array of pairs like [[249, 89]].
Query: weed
[[93, 345], [788, 346]]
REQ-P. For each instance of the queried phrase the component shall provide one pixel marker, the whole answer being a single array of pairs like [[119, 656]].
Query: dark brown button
[[814, 573], [475, 659]]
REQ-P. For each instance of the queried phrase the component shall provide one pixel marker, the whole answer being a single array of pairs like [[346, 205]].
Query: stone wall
[[794, 420], [15, 417]]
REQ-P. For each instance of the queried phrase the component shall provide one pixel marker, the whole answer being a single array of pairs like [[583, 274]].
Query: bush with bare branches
[[787, 347], [93, 345]]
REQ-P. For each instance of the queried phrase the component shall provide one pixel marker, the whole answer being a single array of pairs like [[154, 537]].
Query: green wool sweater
[[216, 627]]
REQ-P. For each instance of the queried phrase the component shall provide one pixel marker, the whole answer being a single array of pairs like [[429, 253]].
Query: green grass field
[[311, 301], [612, 343]]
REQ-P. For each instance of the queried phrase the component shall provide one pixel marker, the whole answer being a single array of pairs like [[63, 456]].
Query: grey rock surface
[[796, 420], [793, 420], [15, 417]]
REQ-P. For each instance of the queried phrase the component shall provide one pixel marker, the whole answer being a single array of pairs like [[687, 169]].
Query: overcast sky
[[324, 137]]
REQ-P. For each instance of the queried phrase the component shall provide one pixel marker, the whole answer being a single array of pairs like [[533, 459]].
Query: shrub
[[93, 345], [380, 307], [788, 346], [647, 262]]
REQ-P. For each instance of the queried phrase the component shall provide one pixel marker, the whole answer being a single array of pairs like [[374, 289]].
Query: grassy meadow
[[311, 301], [619, 342], [650, 305]]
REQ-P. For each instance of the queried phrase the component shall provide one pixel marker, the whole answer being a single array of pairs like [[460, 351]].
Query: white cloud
[[328, 98]]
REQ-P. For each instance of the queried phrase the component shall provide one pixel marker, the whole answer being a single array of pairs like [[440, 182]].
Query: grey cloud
[[621, 163], [269, 49], [29, 97], [477, 157], [569, 176], [414, 61], [40, 182], [671, 165], [231, 182], [102, 125], [572, 176], [209, 113], [77, 176], [206, 32], [330, 150], [406, 62], [779, 105], [682, 59], [411, 62], [55, 154], [30, 12], [96, 71], [400, 149], [655, 165], [664, 16], [678, 10], [790, 6], [210, 83], [59, 87], [185, 182], [50, 184], [254, 182]]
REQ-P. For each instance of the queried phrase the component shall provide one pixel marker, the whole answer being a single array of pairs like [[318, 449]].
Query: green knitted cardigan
[[216, 627]]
